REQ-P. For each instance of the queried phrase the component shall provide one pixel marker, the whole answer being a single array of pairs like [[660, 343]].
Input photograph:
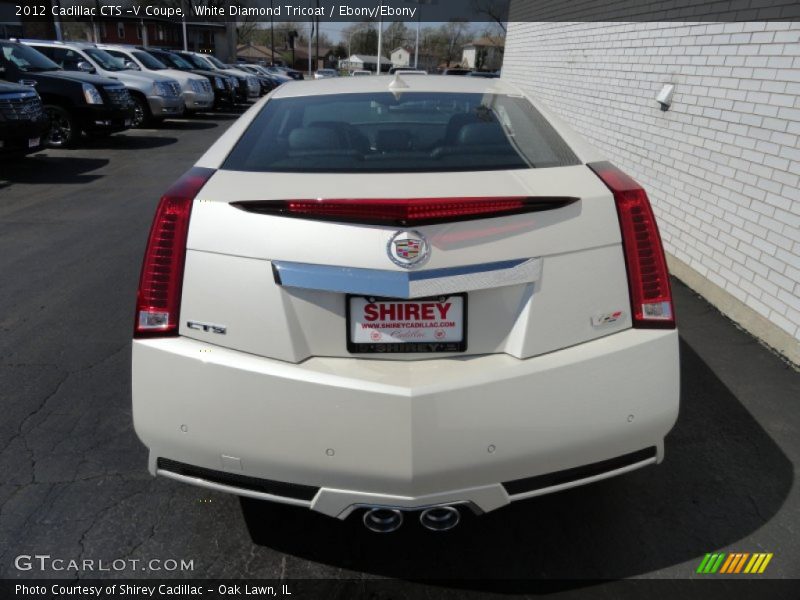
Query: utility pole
[[292, 35], [95, 30], [57, 21], [310, 37], [316, 56], [419, 4], [380, 41], [271, 35], [183, 27], [416, 46]]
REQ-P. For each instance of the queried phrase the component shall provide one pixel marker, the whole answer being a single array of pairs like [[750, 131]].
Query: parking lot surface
[[73, 226]]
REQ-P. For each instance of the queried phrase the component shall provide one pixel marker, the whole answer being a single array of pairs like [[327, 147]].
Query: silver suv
[[195, 89], [155, 96]]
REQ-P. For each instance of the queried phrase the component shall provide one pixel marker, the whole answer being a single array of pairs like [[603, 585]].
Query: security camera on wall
[[664, 97]]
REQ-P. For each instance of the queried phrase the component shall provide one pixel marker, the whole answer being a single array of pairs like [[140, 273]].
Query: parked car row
[[330, 73], [57, 91], [269, 81]]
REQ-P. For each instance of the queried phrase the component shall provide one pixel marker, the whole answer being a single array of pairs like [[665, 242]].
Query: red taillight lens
[[648, 278], [403, 212], [159, 297]]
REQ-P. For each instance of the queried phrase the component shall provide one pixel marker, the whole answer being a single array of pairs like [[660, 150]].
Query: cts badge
[[207, 327], [408, 249]]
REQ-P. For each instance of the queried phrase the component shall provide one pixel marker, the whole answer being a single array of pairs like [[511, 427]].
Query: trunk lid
[[577, 291]]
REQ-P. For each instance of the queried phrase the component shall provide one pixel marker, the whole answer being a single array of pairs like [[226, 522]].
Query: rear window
[[408, 132]]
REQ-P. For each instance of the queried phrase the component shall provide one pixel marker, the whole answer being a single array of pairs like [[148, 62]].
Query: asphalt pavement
[[73, 477]]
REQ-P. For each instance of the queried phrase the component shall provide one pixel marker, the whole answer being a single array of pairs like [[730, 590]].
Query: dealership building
[[721, 165]]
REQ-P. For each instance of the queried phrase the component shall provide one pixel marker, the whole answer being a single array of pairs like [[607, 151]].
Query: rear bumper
[[406, 433]]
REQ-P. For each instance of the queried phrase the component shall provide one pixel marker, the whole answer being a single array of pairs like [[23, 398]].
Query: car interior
[[422, 133]]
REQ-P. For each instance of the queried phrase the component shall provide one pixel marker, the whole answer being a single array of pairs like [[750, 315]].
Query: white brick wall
[[722, 167]]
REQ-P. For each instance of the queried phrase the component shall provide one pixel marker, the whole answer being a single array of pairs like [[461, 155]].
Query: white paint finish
[[721, 166], [573, 288], [286, 398], [406, 428], [292, 325], [218, 227]]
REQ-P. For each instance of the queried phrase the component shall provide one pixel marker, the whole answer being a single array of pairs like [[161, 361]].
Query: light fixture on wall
[[664, 97]]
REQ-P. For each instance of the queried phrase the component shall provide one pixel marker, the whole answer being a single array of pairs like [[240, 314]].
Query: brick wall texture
[[722, 166]]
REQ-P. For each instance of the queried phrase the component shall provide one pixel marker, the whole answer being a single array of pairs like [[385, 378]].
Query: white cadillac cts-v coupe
[[392, 296]]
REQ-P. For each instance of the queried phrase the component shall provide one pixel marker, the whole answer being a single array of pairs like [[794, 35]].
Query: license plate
[[128, 122], [388, 325], [33, 143]]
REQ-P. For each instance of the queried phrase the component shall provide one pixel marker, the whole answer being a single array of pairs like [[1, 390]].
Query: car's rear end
[[402, 295]]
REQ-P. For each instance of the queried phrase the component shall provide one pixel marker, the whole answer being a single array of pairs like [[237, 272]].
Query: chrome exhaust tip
[[440, 518], [383, 520]]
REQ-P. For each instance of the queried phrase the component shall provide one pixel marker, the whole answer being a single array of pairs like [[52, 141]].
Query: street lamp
[[419, 20], [271, 35]]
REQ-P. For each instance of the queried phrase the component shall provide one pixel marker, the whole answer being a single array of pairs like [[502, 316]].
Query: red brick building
[[160, 32]]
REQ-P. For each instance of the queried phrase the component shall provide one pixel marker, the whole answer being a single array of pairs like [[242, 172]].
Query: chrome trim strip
[[403, 284], [26, 95], [579, 482], [228, 489], [476, 510]]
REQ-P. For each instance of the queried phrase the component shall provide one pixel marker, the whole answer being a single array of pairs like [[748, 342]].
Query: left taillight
[[158, 299]]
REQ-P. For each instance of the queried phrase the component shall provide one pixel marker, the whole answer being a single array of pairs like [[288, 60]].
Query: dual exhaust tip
[[387, 520]]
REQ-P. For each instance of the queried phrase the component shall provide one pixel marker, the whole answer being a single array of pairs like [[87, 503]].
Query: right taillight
[[648, 277], [158, 299]]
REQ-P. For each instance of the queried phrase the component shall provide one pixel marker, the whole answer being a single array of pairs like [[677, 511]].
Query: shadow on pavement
[[127, 141], [723, 477], [185, 125], [224, 114], [41, 168], [227, 115]]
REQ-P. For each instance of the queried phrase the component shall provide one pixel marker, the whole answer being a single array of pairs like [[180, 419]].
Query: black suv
[[23, 122], [241, 93], [73, 101], [224, 92]]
